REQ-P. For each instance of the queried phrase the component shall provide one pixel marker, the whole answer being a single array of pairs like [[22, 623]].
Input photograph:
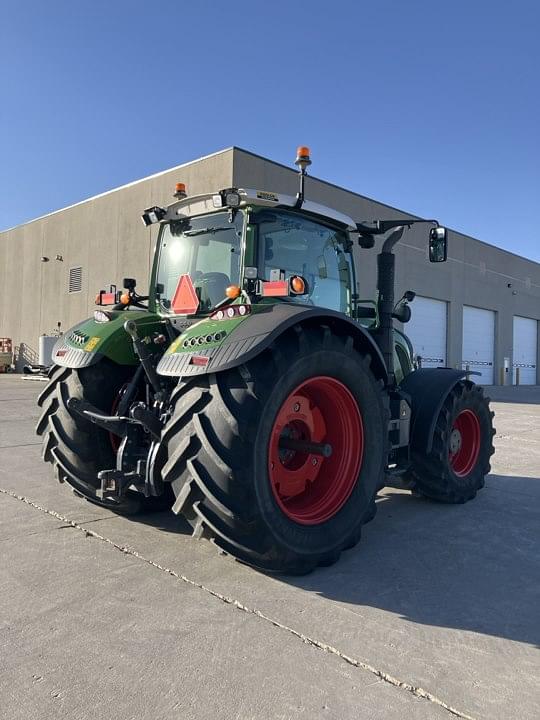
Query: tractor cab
[[256, 244]]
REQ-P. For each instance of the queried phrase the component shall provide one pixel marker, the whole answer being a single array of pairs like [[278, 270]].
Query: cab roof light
[[153, 215], [302, 157], [180, 191], [232, 198]]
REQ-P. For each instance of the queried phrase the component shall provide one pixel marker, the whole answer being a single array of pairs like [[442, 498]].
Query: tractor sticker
[[92, 343], [262, 195]]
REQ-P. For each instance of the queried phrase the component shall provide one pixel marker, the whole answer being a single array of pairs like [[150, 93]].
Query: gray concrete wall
[[476, 273], [104, 235]]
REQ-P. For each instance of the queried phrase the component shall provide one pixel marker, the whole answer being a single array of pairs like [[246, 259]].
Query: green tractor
[[253, 390]]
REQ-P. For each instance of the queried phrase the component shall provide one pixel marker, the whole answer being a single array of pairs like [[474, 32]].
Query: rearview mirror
[[438, 245]]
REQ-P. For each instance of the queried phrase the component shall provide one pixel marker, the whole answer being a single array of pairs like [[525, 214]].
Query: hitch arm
[[111, 423]]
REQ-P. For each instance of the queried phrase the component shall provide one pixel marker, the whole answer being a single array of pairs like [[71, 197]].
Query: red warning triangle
[[185, 300]]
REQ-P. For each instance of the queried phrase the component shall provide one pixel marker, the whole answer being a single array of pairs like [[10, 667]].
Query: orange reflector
[[233, 291], [275, 288], [185, 300], [124, 298], [106, 298], [298, 285]]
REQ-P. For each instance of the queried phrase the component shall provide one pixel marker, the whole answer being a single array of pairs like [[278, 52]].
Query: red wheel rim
[[464, 443], [308, 487]]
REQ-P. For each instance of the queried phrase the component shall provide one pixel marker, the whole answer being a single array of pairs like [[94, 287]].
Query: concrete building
[[481, 308]]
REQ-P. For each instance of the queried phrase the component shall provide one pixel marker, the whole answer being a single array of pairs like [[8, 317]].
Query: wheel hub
[[315, 450], [464, 443], [455, 441]]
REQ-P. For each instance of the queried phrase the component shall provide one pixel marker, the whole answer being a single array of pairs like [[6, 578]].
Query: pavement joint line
[[318, 644], [10, 447]]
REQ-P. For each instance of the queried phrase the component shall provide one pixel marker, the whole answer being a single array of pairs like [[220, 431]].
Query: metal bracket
[[115, 482]]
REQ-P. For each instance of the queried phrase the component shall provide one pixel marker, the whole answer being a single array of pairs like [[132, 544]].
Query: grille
[[75, 280]]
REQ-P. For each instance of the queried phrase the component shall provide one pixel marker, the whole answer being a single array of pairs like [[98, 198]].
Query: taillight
[[231, 311]]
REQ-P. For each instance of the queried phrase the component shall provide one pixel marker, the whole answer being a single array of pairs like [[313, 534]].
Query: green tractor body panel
[[89, 341], [213, 345]]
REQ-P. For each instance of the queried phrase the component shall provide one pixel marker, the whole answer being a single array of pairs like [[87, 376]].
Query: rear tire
[[222, 441], [455, 469], [77, 448]]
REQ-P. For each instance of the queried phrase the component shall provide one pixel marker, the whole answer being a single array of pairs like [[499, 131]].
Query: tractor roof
[[214, 202]]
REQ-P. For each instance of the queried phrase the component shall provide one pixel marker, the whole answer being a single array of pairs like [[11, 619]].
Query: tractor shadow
[[164, 521], [474, 567]]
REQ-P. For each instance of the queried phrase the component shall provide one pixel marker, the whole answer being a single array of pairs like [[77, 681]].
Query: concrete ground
[[435, 614]]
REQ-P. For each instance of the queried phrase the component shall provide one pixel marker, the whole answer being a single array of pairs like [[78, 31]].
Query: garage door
[[427, 331], [479, 342], [525, 348]]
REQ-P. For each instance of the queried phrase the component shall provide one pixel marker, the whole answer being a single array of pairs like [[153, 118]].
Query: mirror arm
[[382, 226]]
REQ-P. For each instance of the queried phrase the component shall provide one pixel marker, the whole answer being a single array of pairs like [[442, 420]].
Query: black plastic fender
[[260, 329], [428, 388]]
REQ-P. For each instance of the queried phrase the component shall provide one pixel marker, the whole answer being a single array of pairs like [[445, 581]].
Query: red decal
[[275, 288], [185, 300], [61, 353]]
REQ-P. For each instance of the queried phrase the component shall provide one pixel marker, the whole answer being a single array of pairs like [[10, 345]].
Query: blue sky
[[430, 106]]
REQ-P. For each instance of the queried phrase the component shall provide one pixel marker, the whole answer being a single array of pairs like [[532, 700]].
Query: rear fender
[[89, 341], [255, 333], [427, 389]]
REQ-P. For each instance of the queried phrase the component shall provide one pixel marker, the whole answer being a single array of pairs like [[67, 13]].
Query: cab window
[[292, 244]]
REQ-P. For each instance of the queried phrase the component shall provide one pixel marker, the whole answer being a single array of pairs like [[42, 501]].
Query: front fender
[[250, 335], [428, 388], [89, 341]]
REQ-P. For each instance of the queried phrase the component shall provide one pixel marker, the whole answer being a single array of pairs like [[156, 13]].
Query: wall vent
[[75, 279]]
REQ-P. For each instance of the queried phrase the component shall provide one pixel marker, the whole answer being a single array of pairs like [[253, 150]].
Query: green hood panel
[[87, 342]]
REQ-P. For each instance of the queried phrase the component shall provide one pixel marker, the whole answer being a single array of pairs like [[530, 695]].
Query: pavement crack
[[318, 644]]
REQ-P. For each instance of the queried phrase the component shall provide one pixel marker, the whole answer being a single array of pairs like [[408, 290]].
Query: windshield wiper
[[202, 231]]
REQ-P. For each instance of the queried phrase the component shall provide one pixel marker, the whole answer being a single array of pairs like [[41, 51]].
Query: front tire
[[455, 469], [281, 509]]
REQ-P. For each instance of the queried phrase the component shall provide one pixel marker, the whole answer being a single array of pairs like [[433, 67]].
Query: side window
[[295, 245]]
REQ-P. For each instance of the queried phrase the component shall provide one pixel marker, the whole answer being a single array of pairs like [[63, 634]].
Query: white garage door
[[479, 343], [525, 347], [427, 331]]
